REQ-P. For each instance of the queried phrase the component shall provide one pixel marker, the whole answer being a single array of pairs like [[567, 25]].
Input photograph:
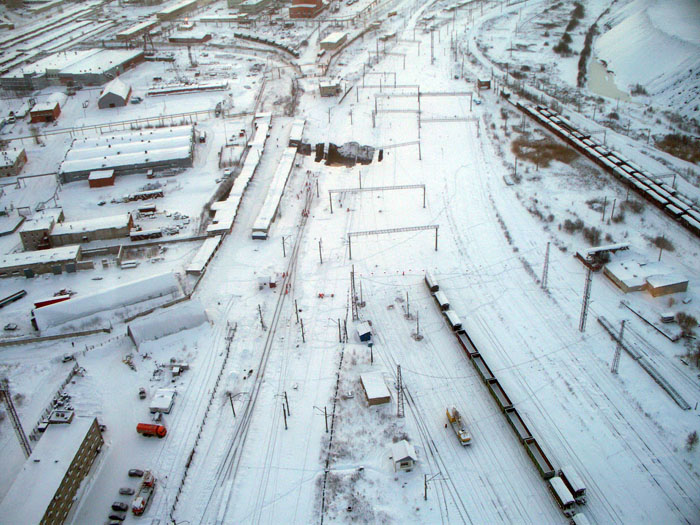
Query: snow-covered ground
[[304, 446]]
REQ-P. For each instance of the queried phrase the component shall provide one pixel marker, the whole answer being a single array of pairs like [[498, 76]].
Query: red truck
[[147, 429]]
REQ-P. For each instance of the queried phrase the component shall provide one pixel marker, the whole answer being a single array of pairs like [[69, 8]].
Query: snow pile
[[87, 307], [657, 47], [167, 322]]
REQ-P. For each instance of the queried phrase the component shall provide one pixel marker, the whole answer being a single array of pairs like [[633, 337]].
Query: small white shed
[[403, 455], [162, 401]]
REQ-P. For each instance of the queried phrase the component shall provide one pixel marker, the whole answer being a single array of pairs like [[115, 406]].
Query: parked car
[[135, 473], [10, 326], [67, 357], [136, 100], [120, 505], [142, 393], [126, 491], [117, 517]]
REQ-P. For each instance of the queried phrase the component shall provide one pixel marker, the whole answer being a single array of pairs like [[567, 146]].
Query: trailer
[[574, 483], [148, 430], [455, 420], [562, 496], [12, 298], [431, 282], [144, 495], [580, 519], [52, 300]]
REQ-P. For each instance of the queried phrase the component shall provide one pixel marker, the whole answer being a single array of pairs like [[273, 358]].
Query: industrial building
[[75, 67], [101, 178], [376, 391], [328, 88], [129, 152], [253, 6], [12, 161], [306, 8], [47, 111], [403, 455], [334, 40], [175, 10], [137, 30], [34, 233], [45, 489], [88, 230], [56, 260], [114, 95]]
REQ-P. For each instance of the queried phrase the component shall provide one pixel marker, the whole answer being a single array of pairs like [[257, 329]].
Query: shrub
[[638, 89], [592, 235], [620, 217], [633, 206], [573, 226], [663, 243], [542, 152], [692, 440], [578, 11], [563, 49], [613, 115], [682, 146], [573, 23], [566, 38]]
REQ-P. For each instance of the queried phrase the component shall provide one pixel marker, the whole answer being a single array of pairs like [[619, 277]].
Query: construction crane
[[148, 39], [14, 417]]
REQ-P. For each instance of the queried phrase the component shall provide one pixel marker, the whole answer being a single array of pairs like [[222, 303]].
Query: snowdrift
[[167, 322], [88, 308], [655, 45]]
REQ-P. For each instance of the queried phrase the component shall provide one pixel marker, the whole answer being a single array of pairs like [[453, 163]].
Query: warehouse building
[[175, 10], [137, 30], [306, 8], [114, 95], [129, 152], [75, 67], [45, 489], [56, 260], [12, 161], [88, 230], [253, 7], [34, 233]]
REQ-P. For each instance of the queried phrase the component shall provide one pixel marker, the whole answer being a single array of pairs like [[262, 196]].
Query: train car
[[574, 483], [499, 394], [580, 519], [12, 298], [442, 301], [518, 425], [467, 344], [562, 496], [453, 320], [538, 457], [482, 368], [673, 211], [431, 283]]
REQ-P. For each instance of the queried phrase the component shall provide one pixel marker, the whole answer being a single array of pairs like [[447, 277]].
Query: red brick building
[[305, 8], [45, 112]]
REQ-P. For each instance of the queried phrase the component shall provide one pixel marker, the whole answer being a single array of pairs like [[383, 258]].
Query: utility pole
[[284, 251], [296, 309], [408, 307], [286, 399], [14, 417], [284, 412], [399, 397], [320, 255], [230, 398], [605, 205], [584, 305], [301, 322], [262, 323], [325, 415], [618, 350], [661, 248], [545, 270]]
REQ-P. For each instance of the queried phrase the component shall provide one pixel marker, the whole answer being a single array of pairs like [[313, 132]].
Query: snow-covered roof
[[162, 400], [9, 157], [138, 28], [374, 386], [124, 295], [101, 174], [334, 38], [297, 130], [274, 194], [669, 279], [402, 450], [64, 253], [36, 484], [364, 328], [176, 6], [201, 258], [47, 105], [40, 223], [102, 61], [116, 87], [632, 273], [130, 149], [91, 225], [167, 322]]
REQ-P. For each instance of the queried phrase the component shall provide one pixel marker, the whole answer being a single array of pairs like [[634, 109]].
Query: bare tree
[[692, 440]]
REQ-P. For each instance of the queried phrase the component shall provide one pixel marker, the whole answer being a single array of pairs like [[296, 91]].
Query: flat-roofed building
[[88, 230], [101, 178], [55, 260], [12, 161], [334, 40], [114, 95], [306, 8], [176, 9], [45, 489]]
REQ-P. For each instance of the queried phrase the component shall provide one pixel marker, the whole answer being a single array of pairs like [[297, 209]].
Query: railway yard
[[385, 265]]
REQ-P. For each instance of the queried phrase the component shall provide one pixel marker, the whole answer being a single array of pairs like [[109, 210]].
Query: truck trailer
[[148, 430]]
